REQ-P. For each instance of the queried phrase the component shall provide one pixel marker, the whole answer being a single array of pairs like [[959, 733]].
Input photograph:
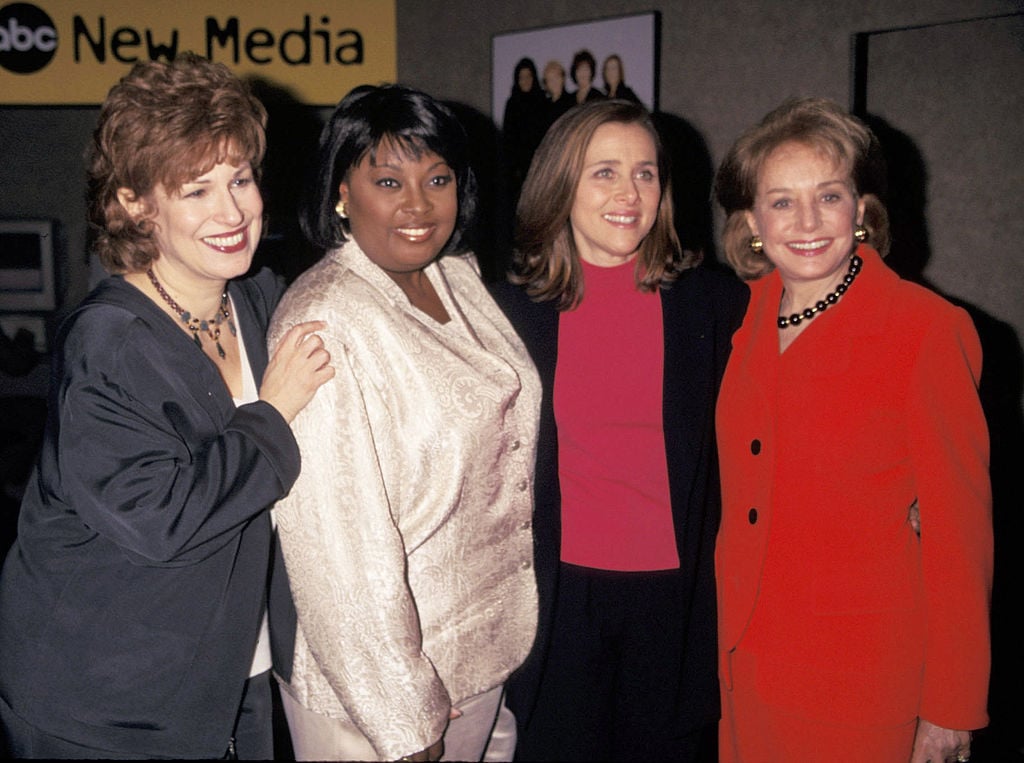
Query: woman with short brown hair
[[132, 604]]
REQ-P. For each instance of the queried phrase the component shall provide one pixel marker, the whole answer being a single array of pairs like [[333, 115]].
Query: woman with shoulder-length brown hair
[[614, 75], [548, 260], [630, 338], [854, 559], [132, 604]]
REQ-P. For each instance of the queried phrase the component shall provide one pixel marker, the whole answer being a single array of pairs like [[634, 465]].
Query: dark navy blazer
[[131, 601], [700, 312]]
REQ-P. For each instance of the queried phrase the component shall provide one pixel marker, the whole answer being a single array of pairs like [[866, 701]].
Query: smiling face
[[617, 194], [805, 212], [402, 210], [208, 229]]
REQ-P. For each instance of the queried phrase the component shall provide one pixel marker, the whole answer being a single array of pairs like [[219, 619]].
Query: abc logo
[[28, 38]]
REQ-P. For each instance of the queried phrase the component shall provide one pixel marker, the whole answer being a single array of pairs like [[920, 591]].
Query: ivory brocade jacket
[[408, 535], [850, 615]]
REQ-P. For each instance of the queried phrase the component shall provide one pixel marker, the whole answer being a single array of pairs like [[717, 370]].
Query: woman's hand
[[934, 744], [914, 517], [299, 366], [433, 752], [436, 750]]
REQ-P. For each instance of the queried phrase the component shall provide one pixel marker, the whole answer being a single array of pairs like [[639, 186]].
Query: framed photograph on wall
[[26, 265], [538, 74], [632, 39]]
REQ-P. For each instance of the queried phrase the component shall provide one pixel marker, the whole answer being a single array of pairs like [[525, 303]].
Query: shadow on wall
[[693, 175], [489, 237], [1000, 390], [293, 131]]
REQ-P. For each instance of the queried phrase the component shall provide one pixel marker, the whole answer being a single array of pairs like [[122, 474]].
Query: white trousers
[[486, 731]]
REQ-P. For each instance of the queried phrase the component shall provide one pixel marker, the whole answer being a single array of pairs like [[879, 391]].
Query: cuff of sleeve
[[262, 422]]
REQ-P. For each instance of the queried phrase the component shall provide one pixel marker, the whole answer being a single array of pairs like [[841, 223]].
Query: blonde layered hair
[[823, 125]]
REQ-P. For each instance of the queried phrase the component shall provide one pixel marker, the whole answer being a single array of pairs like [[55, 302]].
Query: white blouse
[[261, 661], [407, 537]]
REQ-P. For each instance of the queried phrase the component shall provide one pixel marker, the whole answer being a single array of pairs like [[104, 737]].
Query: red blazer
[[823, 449]]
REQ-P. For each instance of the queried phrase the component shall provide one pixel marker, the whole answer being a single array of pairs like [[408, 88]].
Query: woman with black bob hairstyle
[[582, 71], [357, 129], [408, 532]]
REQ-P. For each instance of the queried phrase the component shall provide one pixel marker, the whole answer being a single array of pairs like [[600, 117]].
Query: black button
[[755, 447], [752, 516]]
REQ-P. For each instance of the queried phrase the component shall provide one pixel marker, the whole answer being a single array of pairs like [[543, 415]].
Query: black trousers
[[611, 683], [253, 734]]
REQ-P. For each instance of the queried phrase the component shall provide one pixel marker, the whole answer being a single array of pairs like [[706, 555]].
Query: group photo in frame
[[633, 39], [538, 74]]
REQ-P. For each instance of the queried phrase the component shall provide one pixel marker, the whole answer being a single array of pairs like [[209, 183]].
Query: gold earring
[[756, 244], [341, 209], [860, 233]]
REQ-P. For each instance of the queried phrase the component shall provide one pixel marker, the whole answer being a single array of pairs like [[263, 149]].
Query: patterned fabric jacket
[[408, 537]]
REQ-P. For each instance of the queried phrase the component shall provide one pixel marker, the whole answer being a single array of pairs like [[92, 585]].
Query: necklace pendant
[[195, 325]]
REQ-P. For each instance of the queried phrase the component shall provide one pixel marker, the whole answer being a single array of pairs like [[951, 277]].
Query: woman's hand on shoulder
[[299, 366], [934, 744]]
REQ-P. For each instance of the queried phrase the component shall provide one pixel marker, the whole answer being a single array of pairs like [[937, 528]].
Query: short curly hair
[[164, 124], [583, 57], [823, 125]]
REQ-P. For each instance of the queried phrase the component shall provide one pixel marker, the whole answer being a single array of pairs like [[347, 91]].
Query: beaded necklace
[[831, 299], [195, 325]]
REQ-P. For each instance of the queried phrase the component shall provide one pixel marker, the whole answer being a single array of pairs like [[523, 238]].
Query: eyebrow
[[824, 184], [202, 179], [397, 165], [644, 163]]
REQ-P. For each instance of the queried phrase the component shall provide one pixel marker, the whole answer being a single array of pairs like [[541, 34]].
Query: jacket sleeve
[[346, 563], [950, 452], [141, 461]]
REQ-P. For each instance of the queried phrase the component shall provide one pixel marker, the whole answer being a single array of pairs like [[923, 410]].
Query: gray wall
[[723, 65]]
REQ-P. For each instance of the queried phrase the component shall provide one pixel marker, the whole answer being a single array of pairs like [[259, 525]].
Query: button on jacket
[[848, 613], [700, 312], [407, 537]]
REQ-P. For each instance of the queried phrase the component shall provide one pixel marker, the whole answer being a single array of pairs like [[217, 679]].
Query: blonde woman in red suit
[[855, 552]]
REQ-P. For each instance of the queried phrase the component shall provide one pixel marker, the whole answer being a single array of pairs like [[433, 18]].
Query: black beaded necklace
[[831, 299], [195, 325]]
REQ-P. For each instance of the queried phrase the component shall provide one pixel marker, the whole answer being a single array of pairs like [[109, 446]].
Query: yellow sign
[[70, 52]]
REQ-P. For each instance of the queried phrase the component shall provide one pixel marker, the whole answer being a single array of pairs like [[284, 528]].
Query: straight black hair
[[368, 116]]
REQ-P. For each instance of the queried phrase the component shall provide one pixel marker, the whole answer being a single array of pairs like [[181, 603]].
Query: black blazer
[[700, 312], [131, 600]]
